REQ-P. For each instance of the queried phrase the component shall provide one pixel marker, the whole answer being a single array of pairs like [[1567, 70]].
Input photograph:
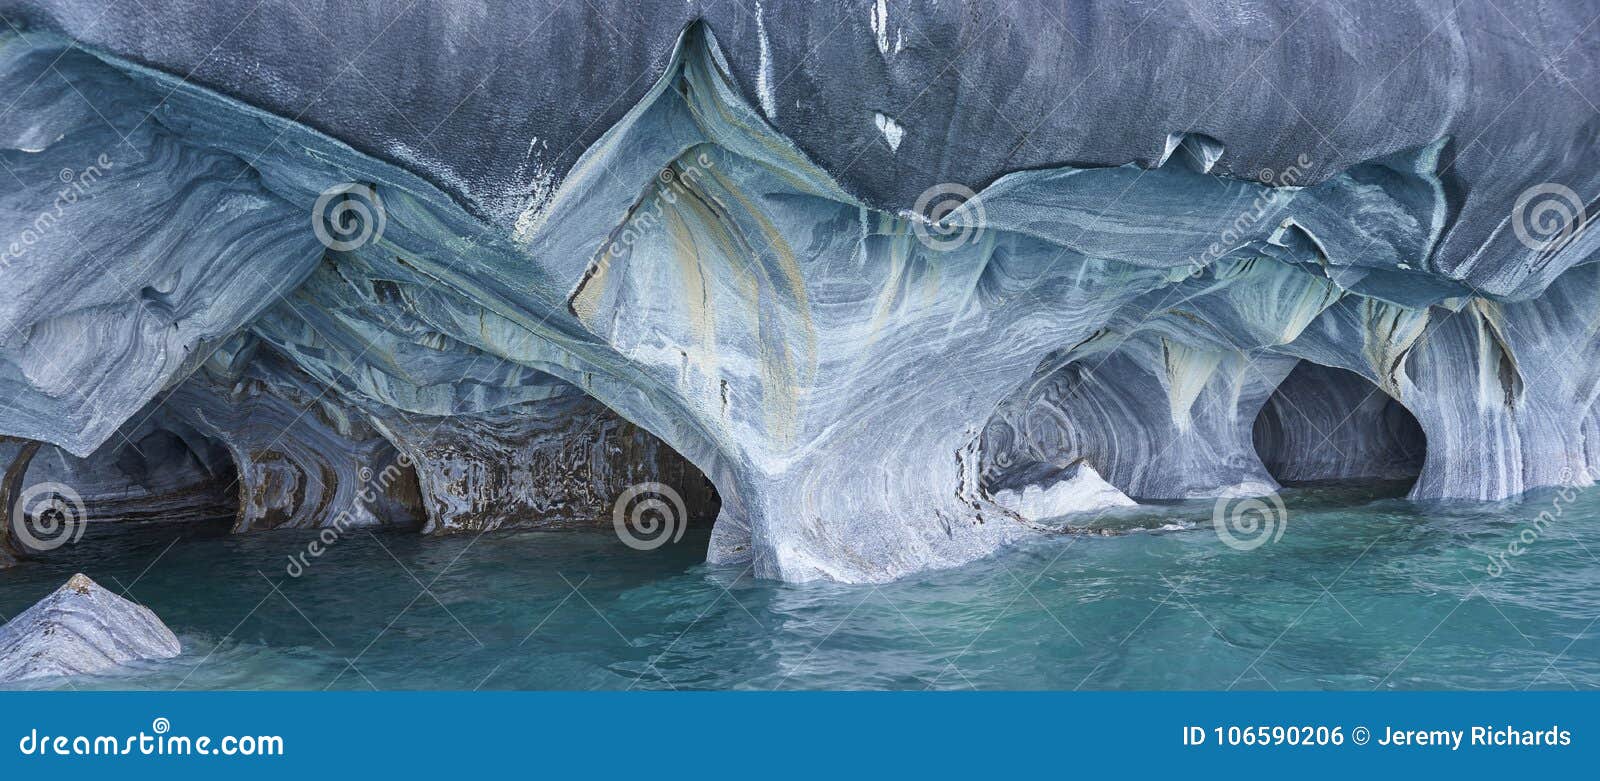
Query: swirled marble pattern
[[732, 270]]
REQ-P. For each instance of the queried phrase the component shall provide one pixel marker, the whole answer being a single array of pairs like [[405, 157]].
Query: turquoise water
[[1360, 592]]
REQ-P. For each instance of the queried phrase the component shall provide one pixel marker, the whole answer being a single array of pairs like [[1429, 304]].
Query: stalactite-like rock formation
[[1159, 420], [619, 278]]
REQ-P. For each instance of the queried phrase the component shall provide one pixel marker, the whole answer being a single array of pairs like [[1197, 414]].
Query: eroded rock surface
[[559, 463], [81, 628], [1329, 424], [1047, 492], [663, 243]]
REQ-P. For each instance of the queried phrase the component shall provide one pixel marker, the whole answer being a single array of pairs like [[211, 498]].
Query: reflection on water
[[1363, 590]]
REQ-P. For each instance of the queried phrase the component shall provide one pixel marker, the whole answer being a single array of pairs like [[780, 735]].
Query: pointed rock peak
[[81, 628]]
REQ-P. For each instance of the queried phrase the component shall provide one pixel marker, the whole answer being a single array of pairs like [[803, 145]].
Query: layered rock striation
[[891, 338], [81, 628]]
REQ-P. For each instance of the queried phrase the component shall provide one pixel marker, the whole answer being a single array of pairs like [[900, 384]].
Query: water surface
[[1362, 591]]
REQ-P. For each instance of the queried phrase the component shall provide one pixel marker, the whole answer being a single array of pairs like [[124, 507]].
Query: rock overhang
[[801, 316]]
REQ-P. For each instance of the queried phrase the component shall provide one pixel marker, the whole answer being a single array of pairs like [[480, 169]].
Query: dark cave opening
[[1327, 425], [661, 494], [563, 463], [399, 492], [153, 473], [158, 473]]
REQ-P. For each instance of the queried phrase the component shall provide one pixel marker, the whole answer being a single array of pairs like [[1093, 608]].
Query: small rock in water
[[1076, 488], [81, 628]]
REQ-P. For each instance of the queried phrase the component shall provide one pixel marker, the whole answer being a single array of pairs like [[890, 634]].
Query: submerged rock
[[1076, 489], [81, 628]]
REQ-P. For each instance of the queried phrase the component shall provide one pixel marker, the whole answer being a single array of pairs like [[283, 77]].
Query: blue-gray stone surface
[[710, 222], [81, 628]]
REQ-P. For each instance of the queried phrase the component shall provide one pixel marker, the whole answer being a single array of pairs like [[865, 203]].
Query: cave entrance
[[1325, 425], [653, 495], [566, 462], [157, 474], [154, 474]]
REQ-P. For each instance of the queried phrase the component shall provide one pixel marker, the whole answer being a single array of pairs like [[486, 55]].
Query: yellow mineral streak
[[695, 293]]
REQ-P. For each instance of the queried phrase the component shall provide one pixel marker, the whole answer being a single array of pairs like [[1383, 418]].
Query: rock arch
[[1326, 424]]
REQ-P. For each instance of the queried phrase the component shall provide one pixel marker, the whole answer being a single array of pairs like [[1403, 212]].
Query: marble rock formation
[[1049, 492], [81, 628], [828, 279], [1329, 424]]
